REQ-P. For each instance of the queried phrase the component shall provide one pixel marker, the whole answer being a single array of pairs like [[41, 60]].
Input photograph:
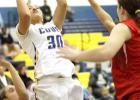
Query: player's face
[[120, 12], [11, 93], [36, 14]]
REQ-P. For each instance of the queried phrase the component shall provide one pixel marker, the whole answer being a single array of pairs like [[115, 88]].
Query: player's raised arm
[[103, 16], [24, 16], [60, 13]]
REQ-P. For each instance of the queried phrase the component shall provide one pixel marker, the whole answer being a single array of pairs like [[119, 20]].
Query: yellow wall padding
[[84, 40], [24, 57], [84, 78]]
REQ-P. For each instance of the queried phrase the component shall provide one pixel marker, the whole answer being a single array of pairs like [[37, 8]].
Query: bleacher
[[86, 31], [85, 20], [9, 15], [83, 26]]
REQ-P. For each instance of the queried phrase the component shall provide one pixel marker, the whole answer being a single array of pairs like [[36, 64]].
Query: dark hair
[[2, 94], [132, 7]]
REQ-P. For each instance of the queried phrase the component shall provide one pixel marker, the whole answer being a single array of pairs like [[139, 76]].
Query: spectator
[[28, 82], [4, 80], [21, 68], [5, 36], [10, 49], [98, 79], [105, 94], [69, 15], [10, 92], [47, 15]]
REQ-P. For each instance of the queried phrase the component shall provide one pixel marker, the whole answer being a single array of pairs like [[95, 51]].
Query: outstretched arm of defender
[[24, 17], [104, 17], [60, 13], [106, 52]]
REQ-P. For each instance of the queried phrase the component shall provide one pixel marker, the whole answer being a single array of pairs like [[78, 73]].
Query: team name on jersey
[[43, 30]]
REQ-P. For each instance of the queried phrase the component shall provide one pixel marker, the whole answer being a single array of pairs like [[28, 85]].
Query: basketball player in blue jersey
[[41, 41]]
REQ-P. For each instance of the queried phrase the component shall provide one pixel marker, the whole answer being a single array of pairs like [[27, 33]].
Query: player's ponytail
[[137, 16]]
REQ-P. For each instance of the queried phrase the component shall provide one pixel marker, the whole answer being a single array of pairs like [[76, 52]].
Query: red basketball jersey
[[126, 64]]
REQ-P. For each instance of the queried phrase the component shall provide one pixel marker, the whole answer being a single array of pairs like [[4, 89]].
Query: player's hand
[[5, 63], [69, 53]]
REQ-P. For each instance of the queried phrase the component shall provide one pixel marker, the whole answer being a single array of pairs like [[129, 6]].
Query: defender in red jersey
[[123, 46]]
